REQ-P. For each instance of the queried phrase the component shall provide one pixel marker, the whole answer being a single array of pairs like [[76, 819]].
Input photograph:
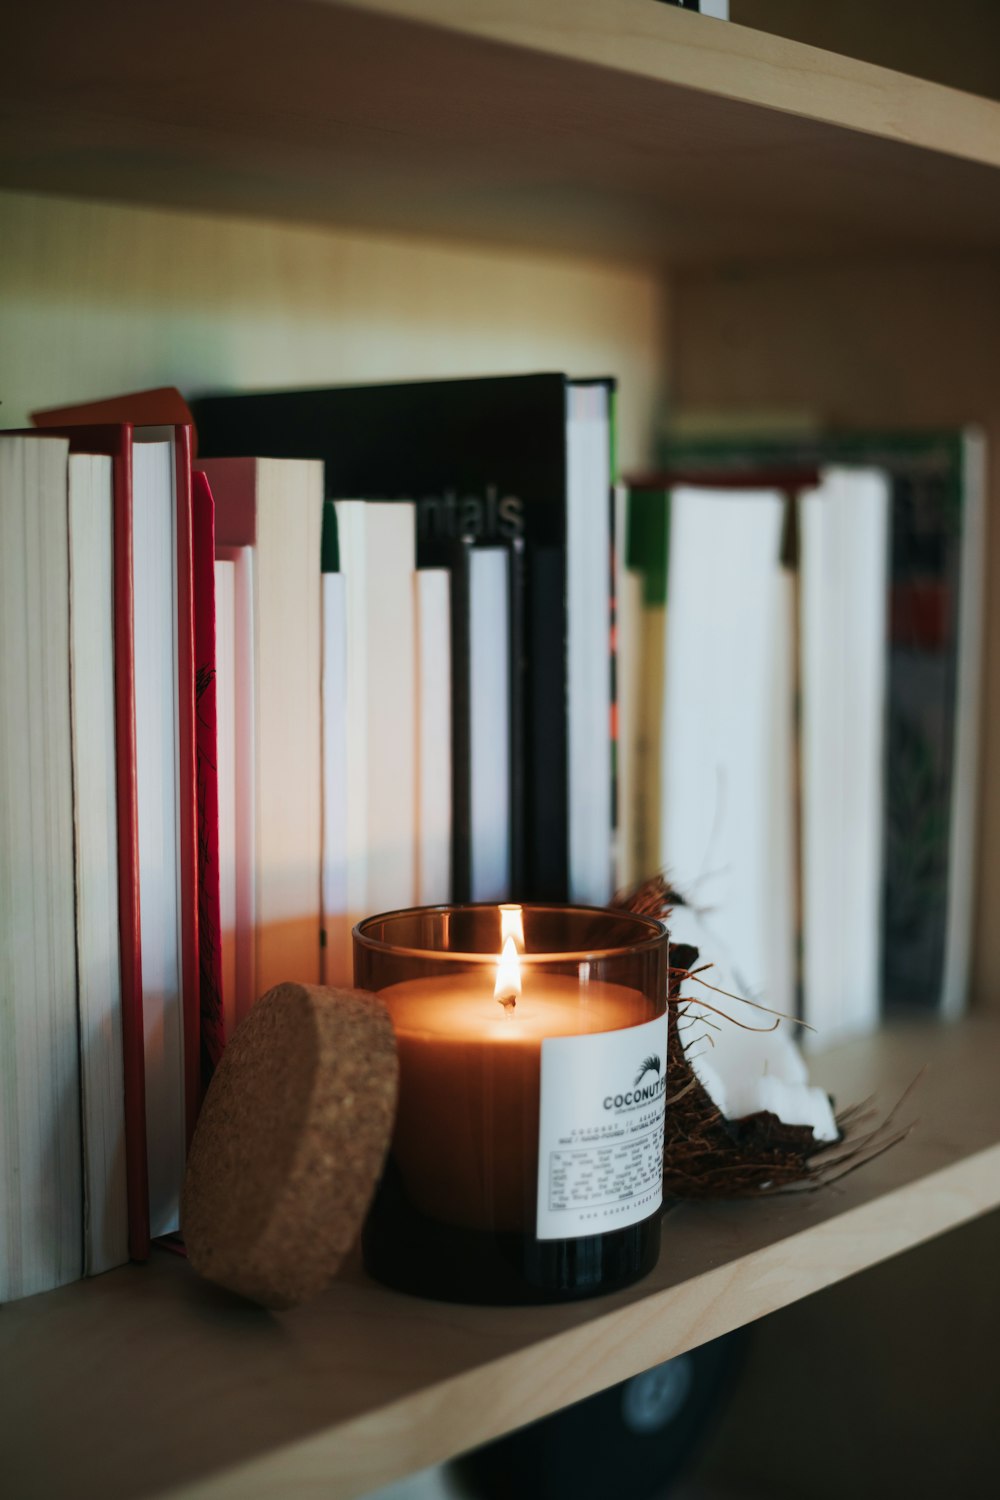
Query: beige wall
[[97, 299]]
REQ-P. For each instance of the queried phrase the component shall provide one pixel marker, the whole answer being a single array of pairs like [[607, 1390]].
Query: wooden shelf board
[[147, 1382], [600, 127]]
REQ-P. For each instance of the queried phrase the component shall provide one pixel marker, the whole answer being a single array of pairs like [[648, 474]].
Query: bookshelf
[[611, 127], [318, 192], [152, 1384]]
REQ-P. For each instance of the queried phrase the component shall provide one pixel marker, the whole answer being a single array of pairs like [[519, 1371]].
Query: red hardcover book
[[187, 778], [162, 407], [115, 440], [213, 1035], [119, 440], [162, 412]]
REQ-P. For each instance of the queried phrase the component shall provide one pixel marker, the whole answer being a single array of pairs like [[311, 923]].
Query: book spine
[[187, 781], [518, 717], [433, 595], [489, 723], [337, 962], [547, 790], [461, 737], [211, 1017], [136, 1168]]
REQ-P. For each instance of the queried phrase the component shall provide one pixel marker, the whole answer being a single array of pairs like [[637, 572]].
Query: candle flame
[[507, 989]]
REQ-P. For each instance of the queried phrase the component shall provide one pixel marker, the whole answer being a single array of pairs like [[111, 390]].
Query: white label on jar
[[600, 1131]]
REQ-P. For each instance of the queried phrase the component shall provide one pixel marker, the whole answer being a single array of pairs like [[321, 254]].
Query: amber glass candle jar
[[526, 1162]]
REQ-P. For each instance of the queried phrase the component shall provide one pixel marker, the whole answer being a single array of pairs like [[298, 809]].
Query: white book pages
[[242, 793], [338, 959], [225, 707], [489, 723], [628, 625], [965, 768], [588, 569], [353, 551], [288, 814], [92, 685], [629, 642], [844, 535], [727, 825], [377, 546], [41, 1221], [433, 595], [651, 673], [157, 770]]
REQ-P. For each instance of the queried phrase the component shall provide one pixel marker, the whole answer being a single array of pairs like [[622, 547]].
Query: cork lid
[[290, 1143]]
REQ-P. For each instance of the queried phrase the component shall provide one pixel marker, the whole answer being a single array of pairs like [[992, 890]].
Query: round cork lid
[[290, 1143]]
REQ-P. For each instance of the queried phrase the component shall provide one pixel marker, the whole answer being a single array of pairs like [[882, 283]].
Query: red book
[[162, 407], [187, 778], [119, 441], [213, 1035], [116, 441], [165, 408]]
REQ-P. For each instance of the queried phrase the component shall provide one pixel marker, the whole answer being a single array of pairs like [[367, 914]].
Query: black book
[[461, 738], [485, 459]]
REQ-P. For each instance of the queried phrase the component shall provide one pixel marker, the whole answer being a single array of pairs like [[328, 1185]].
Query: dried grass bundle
[[706, 1155]]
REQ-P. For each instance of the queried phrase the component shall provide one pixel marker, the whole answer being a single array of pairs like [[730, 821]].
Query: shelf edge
[[350, 1459], [685, 50]]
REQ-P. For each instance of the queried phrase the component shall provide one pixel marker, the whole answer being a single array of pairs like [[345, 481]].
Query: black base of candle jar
[[412, 1253]]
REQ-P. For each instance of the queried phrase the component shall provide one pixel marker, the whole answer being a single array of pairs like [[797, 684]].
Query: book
[[482, 644], [162, 415], [843, 561], [434, 778], [936, 622], [95, 815], [225, 720], [644, 636], [717, 8], [165, 857], [154, 416], [487, 459], [156, 802], [628, 628], [237, 779], [377, 556], [589, 603], [274, 508], [822, 704], [727, 829], [41, 1196], [487, 694], [934, 587], [211, 1015], [337, 955], [116, 441], [160, 406]]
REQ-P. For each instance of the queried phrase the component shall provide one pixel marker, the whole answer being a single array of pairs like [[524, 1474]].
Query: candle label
[[600, 1136]]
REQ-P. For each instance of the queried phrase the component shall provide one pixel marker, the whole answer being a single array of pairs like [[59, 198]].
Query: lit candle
[[466, 1139], [527, 1156]]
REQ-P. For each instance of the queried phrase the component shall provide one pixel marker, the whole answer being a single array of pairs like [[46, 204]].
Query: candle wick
[[508, 1001]]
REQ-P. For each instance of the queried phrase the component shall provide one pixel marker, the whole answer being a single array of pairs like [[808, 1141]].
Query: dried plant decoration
[[709, 1153]]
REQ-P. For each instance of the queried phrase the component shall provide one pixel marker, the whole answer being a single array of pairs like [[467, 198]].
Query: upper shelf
[[147, 1382], [609, 127]]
